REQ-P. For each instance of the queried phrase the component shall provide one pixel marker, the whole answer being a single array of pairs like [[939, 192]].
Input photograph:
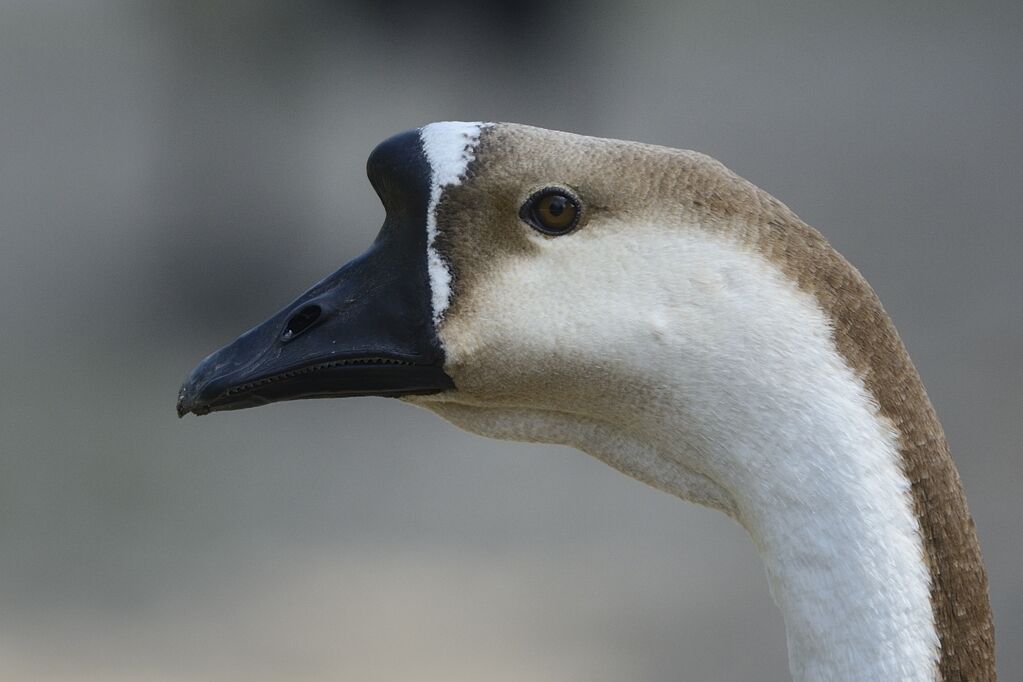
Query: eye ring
[[552, 210]]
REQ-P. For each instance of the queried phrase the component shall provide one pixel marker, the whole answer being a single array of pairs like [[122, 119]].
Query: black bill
[[365, 330]]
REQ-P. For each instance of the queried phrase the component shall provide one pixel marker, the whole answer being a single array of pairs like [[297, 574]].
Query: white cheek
[[633, 304]]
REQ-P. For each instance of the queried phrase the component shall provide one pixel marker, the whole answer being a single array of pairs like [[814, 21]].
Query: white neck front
[[728, 390], [816, 476], [844, 559], [843, 555]]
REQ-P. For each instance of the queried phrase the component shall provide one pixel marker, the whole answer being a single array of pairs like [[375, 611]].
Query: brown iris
[[552, 211]]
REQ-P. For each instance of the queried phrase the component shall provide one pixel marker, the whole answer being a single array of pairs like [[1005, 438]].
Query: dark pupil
[[556, 206]]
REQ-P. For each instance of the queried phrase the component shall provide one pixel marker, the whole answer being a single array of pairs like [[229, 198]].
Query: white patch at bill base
[[450, 147]]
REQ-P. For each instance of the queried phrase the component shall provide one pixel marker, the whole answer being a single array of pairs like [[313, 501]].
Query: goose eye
[[551, 211]]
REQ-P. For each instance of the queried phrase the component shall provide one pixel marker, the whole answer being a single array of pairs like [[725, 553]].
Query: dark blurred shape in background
[[173, 172]]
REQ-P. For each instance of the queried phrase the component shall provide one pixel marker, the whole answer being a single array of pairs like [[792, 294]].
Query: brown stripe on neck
[[866, 337]]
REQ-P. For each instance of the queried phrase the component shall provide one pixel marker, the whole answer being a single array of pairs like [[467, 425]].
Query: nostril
[[300, 321]]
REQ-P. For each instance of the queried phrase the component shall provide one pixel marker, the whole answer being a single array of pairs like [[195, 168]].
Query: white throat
[[736, 397]]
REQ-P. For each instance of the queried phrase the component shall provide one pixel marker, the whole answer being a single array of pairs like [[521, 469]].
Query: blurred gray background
[[173, 172]]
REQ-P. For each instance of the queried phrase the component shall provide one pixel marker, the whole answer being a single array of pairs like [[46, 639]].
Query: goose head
[[534, 285], [647, 306]]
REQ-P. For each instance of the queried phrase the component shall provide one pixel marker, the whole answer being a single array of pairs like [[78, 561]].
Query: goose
[[653, 309]]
